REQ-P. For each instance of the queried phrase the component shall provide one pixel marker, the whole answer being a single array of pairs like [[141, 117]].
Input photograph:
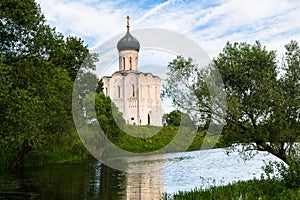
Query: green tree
[[262, 108], [286, 113], [73, 56], [106, 113], [33, 113], [175, 118], [20, 24], [37, 70]]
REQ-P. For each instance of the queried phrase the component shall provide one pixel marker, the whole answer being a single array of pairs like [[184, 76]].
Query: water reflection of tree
[[90, 180], [112, 183]]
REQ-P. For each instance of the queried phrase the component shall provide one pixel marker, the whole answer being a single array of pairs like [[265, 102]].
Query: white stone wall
[[137, 95], [128, 60], [150, 101]]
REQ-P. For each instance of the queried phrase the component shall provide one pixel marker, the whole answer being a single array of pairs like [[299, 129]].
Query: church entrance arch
[[149, 118]]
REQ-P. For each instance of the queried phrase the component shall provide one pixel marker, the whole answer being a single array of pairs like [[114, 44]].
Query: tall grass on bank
[[250, 190]]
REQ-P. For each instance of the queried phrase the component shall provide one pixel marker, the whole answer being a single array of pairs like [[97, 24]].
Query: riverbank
[[72, 149], [253, 189], [69, 149], [37, 159]]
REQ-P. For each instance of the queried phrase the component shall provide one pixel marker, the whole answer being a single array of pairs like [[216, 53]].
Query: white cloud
[[211, 24], [84, 19]]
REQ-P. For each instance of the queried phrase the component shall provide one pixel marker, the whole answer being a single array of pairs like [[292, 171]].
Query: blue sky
[[210, 23]]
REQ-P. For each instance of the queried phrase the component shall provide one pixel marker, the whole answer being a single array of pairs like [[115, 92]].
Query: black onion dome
[[128, 42]]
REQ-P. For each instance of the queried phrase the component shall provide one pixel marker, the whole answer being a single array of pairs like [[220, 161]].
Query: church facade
[[136, 94]]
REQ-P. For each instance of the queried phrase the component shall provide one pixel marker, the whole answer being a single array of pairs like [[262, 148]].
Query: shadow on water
[[78, 181]]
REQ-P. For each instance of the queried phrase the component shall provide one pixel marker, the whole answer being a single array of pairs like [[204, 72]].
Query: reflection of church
[[148, 186], [115, 184], [136, 94]]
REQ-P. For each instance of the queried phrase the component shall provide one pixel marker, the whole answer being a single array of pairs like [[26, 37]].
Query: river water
[[169, 173]]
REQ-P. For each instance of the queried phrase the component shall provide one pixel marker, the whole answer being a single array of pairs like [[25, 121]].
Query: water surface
[[165, 173]]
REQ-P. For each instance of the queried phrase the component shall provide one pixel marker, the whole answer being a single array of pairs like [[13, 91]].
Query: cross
[[128, 25]]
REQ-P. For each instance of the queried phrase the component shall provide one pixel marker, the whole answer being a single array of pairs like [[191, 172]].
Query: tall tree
[[286, 113], [262, 108], [37, 70]]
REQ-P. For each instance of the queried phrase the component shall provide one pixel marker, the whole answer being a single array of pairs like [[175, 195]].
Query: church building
[[136, 94]]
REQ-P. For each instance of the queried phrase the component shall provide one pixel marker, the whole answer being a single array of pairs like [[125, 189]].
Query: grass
[[248, 190], [155, 138], [55, 156]]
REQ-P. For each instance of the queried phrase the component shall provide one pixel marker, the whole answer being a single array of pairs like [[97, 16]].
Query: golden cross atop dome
[[128, 25]]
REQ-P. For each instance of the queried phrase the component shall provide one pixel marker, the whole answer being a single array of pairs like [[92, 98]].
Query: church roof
[[125, 73], [128, 42]]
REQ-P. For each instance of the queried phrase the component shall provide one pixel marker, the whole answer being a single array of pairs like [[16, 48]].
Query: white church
[[136, 94]]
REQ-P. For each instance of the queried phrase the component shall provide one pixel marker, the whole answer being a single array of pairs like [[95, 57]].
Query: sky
[[211, 24]]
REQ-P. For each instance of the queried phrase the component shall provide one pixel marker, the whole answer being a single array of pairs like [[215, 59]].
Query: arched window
[[150, 118], [106, 91], [119, 92], [155, 92], [133, 92], [123, 67], [130, 63]]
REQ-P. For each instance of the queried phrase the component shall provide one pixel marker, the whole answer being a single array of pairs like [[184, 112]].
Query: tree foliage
[[176, 118], [106, 113], [262, 95], [37, 70]]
